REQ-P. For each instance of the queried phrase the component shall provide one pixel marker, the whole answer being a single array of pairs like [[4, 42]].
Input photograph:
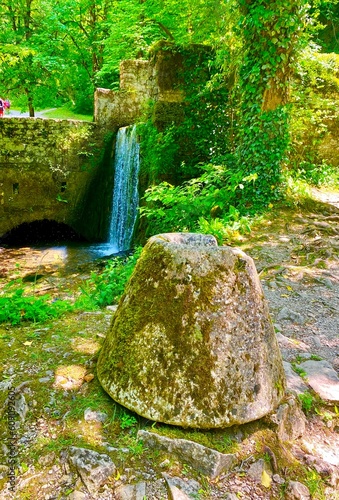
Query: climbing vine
[[272, 33]]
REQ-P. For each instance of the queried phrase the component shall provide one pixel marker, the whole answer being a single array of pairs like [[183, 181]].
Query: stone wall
[[157, 79], [49, 169]]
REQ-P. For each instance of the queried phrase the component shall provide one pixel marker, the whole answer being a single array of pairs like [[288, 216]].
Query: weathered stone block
[[206, 460], [93, 468], [192, 343]]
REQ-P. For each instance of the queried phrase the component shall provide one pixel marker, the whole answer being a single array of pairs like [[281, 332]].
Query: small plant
[[127, 421], [299, 370], [306, 399], [59, 198], [137, 449], [314, 357], [315, 484], [107, 287]]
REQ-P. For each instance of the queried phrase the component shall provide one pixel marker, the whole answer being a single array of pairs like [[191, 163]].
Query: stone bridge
[[60, 170], [55, 170]]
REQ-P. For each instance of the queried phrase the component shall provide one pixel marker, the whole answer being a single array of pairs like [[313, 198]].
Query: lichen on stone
[[192, 343]]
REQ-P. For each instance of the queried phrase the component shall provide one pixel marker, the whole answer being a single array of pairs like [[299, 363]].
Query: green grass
[[66, 114], [62, 113]]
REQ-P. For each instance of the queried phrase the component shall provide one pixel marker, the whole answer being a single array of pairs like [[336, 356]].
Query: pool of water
[[64, 259], [73, 255]]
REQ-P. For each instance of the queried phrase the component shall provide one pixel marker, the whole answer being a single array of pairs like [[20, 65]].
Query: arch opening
[[41, 232]]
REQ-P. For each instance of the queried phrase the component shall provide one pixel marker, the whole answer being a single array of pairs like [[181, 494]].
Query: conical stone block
[[192, 343]]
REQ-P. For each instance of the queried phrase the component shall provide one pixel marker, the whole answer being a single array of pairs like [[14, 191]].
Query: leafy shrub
[[107, 287], [206, 203], [317, 175], [227, 228], [15, 307], [306, 399]]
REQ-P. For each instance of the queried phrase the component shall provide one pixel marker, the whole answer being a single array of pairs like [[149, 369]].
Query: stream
[[62, 260]]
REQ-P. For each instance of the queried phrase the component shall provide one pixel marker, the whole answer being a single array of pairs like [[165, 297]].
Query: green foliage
[[15, 307], [203, 203], [174, 145], [64, 113], [317, 175], [226, 229], [178, 208], [314, 118], [101, 290], [107, 287], [271, 31], [306, 400], [138, 26], [315, 484], [127, 421], [299, 370]]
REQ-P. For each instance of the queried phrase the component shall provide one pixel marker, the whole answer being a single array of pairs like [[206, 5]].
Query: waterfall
[[125, 192]]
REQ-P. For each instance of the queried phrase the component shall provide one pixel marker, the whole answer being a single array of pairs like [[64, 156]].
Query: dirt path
[[297, 256]]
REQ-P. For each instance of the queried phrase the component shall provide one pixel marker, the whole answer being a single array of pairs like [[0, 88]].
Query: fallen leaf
[[28, 342], [265, 479]]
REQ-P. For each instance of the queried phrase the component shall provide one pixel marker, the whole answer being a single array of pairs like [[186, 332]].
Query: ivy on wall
[[272, 33]]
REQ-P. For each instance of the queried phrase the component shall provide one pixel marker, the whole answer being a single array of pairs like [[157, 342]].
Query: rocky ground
[[73, 442]]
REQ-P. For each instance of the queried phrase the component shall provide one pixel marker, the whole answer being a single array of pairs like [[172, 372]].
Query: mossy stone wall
[[49, 169]]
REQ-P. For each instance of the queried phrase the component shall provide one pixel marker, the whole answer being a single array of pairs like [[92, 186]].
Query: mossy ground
[[63, 353]]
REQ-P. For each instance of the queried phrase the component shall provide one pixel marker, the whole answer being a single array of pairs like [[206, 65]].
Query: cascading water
[[125, 192]]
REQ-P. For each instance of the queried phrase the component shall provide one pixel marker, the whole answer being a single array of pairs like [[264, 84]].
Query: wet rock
[[180, 489], [323, 379], [295, 383], [192, 343], [297, 491], [206, 460], [289, 420], [93, 468]]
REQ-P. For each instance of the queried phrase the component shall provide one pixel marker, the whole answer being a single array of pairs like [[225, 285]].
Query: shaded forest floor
[[52, 365]]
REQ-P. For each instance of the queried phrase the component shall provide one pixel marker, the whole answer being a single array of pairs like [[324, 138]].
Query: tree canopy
[[55, 53]]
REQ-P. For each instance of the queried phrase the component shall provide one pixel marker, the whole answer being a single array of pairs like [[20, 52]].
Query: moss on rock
[[191, 343]]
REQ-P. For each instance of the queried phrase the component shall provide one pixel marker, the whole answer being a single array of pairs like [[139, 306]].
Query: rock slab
[[192, 342], [206, 460], [93, 468], [180, 489], [323, 379]]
